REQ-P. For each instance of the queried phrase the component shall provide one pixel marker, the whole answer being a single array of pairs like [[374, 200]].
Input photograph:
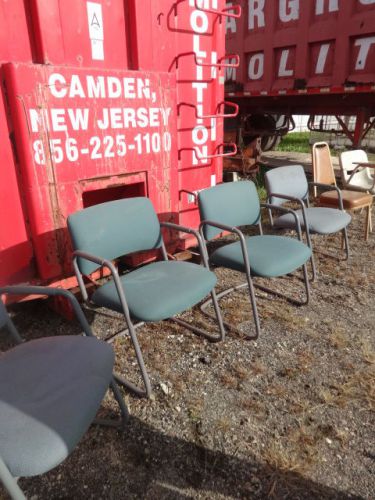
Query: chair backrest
[[115, 228], [232, 203], [322, 164], [289, 180], [347, 165]]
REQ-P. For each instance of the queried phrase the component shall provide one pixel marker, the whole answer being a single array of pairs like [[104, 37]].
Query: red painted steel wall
[[16, 256], [302, 44], [105, 99], [80, 33], [191, 41]]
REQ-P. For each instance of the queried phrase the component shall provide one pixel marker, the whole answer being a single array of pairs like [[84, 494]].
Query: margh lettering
[[290, 11]]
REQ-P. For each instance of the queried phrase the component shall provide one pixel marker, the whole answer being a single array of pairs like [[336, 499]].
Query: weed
[[228, 380], [304, 361], [253, 406], [283, 459], [222, 424], [368, 352], [277, 390], [258, 368], [195, 410], [339, 338]]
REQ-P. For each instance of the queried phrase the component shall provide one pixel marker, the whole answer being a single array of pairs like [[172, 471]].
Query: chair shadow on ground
[[144, 462]]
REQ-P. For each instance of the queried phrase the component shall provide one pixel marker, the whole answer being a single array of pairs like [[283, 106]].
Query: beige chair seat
[[351, 199]]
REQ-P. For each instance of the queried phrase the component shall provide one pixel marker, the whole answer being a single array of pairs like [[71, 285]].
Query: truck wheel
[[270, 142]]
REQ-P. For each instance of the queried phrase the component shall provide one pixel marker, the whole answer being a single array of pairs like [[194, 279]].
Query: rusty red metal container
[[16, 254], [106, 99]]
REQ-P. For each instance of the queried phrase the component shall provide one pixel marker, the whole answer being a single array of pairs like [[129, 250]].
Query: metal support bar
[[10, 482]]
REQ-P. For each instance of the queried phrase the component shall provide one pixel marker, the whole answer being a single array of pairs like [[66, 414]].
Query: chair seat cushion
[[350, 199], [321, 220], [269, 256], [50, 391], [159, 290]]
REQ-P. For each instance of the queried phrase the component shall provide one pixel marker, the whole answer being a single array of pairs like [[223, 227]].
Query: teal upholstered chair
[[289, 183], [229, 206], [154, 292], [50, 391]]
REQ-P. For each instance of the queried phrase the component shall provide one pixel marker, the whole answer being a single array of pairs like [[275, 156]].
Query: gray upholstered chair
[[50, 391], [229, 206], [154, 292], [289, 183]]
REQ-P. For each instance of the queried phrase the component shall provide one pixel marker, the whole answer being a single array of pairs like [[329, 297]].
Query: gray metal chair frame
[[6, 477], [131, 327], [301, 203], [249, 280]]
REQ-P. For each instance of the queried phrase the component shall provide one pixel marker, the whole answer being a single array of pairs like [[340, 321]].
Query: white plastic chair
[[353, 176]]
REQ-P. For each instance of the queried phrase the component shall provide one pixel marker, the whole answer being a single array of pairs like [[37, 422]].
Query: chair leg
[[218, 317], [138, 353], [370, 218], [10, 482], [368, 227], [227, 291], [345, 235], [286, 297], [312, 260], [313, 268], [124, 417]]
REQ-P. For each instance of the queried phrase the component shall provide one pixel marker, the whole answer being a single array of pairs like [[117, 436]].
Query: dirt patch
[[288, 416]]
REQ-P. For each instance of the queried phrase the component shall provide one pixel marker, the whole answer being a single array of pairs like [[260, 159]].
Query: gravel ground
[[288, 416]]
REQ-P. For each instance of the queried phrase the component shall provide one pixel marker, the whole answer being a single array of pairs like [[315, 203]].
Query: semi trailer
[[300, 57]]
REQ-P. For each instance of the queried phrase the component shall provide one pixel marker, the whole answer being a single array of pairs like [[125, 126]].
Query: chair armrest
[[359, 166], [331, 187], [97, 260], [51, 292], [233, 230], [354, 171], [94, 258], [297, 200], [219, 225], [190, 230], [103, 263], [270, 206], [182, 229], [285, 197]]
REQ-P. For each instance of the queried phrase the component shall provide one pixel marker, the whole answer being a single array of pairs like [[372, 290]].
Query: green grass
[[259, 182], [295, 141]]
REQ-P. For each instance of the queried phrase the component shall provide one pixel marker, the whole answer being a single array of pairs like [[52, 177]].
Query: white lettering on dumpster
[[199, 23], [118, 116], [96, 30], [364, 45], [256, 66], [256, 11], [99, 87], [288, 10], [230, 23], [320, 5], [283, 70]]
